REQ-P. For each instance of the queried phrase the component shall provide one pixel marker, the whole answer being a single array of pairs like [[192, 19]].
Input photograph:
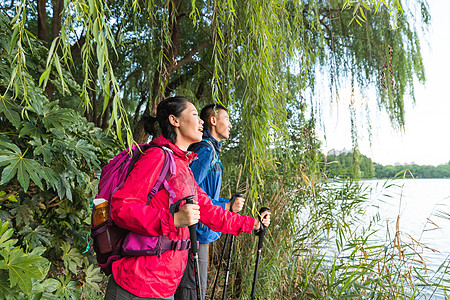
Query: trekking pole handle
[[189, 199], [236, 195], [262, 229]]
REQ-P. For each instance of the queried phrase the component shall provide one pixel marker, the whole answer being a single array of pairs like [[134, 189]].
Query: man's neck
[[214, 134]]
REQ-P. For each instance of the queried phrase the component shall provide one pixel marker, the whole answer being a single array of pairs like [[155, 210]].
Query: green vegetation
[[412, 170], [349, 164], [76, 77], [356, 165]]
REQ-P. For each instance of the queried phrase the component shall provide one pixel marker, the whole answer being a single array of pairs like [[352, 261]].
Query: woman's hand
[[265, 219], [189, 214]]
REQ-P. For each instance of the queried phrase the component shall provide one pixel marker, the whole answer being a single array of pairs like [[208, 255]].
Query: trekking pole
[[223, 250], [193, 237], [230, 251], [260, 233]]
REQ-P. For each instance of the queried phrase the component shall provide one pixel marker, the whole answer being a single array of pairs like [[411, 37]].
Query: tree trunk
[[58, 6], [42, 20]]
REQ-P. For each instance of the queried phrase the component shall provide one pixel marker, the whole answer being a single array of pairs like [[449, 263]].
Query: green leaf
[[63, 187], [366, 6], [55, 117], [362, 13], [10, 111], [93, 278], [5, 215], [51, 51], [5, 288], [71, 258], [51, 177], [39, 236], [22, 269], [46, 288], [12, 198], [6, 235], [68, 289], [59, 69], [14, 37], [24, 168], [10, 146], [31, 130], [44, 76], [43, 149], [23, 214], [85, 150]]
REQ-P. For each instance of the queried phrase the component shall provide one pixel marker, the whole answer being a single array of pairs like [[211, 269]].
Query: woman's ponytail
[[149, 124]]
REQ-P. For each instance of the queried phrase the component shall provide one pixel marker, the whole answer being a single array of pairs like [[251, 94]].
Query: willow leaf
[[9, 110]]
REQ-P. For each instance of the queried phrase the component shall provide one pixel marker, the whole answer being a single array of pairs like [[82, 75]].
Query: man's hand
[[238, 205], [188, 214]]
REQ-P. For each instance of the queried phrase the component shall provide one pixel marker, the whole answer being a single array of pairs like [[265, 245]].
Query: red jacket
[[153, 276]]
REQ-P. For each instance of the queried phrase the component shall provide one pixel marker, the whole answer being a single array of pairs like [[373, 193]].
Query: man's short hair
[[210, 110]]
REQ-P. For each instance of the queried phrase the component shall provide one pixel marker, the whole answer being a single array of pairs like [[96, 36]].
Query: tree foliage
[[349, 164], [412, 171]]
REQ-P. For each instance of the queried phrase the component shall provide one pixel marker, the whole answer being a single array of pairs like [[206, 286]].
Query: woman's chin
[[197, 139]]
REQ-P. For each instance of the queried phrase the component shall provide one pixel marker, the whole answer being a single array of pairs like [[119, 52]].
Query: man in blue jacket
[[208, 173]]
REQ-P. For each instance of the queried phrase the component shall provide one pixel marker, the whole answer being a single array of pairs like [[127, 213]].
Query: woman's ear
[[174, 121]]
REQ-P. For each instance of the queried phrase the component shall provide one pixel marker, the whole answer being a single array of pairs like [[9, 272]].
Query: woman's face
[[189, 126]]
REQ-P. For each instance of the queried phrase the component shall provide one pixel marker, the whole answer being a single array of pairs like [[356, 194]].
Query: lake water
[[424, 209]]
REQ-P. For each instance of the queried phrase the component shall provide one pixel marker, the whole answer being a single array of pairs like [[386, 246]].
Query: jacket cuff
[[167, 223], [247, 225], [224, 200]]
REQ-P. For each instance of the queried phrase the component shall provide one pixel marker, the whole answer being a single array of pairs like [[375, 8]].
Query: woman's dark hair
[[170, 106]]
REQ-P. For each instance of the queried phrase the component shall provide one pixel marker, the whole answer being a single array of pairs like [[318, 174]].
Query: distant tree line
[[355, 164], [418, 171], [349, 164]]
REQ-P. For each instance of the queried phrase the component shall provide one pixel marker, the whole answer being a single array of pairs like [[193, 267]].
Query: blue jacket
[[208, 173]]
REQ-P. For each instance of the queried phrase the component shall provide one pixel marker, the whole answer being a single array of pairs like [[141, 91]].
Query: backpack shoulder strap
[[215, 155], [169, 168]]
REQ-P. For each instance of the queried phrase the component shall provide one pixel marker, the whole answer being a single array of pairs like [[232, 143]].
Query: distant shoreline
[[355, 164]]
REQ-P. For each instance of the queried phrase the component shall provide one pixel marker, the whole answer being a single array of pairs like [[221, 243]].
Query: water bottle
[[101, 215], [101, 211]]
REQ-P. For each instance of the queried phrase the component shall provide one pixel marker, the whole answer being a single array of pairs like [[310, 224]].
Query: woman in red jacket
[[157, 277]]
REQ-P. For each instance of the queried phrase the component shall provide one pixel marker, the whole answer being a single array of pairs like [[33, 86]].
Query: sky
[[426, 139]]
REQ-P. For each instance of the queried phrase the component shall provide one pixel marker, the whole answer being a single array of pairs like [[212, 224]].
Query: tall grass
[[323, 245]]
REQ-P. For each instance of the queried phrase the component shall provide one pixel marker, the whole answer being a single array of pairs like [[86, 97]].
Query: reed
[[322, 245]]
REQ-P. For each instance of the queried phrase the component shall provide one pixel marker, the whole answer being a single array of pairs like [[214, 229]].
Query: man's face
[[222, 124]]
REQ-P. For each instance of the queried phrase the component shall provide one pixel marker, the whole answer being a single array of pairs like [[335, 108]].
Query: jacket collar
[[188, 156], [207, 136]]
